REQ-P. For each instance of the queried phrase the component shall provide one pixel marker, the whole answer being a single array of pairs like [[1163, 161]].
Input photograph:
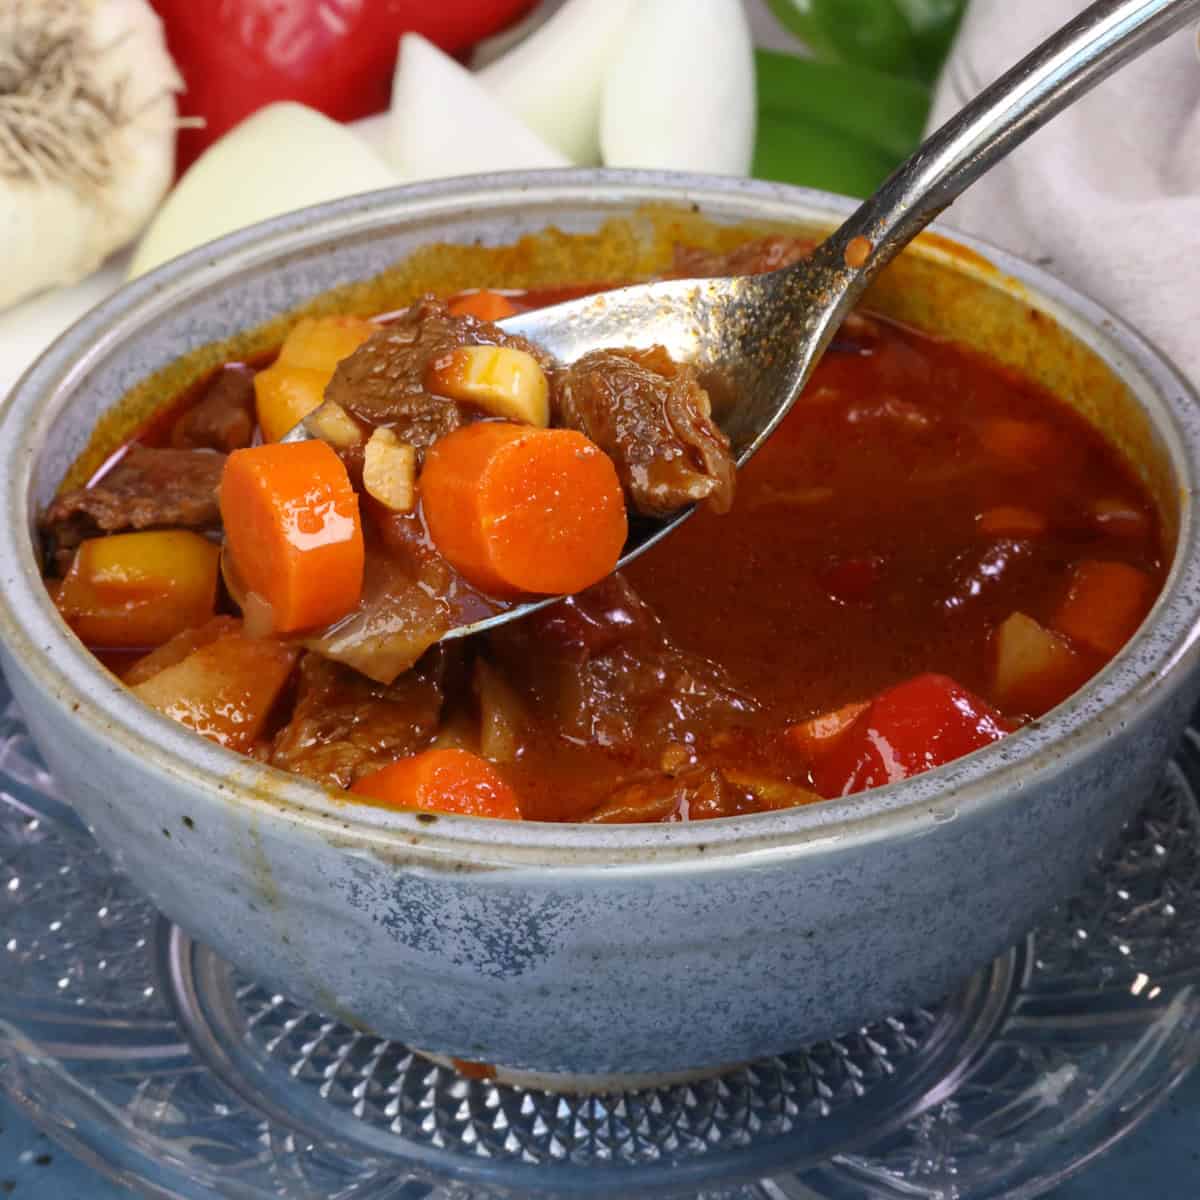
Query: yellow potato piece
[[390, 471], [501, 380], [333, 424], [1035, 669], [224, 690], [139, 589], [320, 343], [294, 384], [284, 396]]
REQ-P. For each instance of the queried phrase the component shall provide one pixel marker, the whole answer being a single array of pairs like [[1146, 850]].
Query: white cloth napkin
[[1107, 195]]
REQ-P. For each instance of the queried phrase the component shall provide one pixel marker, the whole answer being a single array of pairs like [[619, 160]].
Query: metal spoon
[[765, 333]]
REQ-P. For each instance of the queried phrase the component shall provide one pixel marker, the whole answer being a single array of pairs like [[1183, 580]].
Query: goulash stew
[[927, 554]]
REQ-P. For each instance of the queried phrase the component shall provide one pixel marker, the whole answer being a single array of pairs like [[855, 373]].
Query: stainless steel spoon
[[765, 333]]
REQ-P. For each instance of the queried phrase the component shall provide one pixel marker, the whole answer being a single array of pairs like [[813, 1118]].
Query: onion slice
[[680, 94], [443, 122], [258, 617], [554, 79], [284, 157]]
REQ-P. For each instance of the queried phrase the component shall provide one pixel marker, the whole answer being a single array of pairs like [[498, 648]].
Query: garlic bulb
[[87, 135]]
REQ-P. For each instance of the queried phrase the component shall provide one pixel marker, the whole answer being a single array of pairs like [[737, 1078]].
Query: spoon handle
[[1100, 40]]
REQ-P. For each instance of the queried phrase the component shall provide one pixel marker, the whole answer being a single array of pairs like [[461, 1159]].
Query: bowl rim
[[1155, 663]]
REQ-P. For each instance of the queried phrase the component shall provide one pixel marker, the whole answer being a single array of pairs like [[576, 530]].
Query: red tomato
[[334, 55], [909, 728]]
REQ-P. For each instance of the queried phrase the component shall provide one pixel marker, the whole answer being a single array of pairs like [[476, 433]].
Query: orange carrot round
[[1104, 604], [519, 509], [292, 528], [486, 305], [1010, 520], [452, 781]]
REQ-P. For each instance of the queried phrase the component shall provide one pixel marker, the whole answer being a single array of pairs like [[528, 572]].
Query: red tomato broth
[[808, 650], [853, 559], [842, 592]]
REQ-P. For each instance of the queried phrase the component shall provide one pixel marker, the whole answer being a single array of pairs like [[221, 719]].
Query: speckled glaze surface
[[569, 948]]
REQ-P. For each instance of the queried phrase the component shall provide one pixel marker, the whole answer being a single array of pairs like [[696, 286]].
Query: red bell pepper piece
[[334, 55], [912, 727]]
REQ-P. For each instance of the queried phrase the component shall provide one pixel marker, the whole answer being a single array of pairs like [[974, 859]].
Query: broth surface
[[916, 501], [853, 558]]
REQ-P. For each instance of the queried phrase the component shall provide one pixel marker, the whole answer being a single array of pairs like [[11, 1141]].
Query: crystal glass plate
[[170, 1071]]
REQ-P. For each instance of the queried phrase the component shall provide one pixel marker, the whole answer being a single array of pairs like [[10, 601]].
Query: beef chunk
[[383, 381], [147, 489], [654, 420], [223, 418], [696, 794], [751, 258], [344, 725], [601, 669]]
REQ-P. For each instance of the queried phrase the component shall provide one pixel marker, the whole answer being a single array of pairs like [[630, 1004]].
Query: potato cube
[[333, 424], [225, 690], [294, 384], [1035, 669], [390, 471], [320, 343], [502, 381], [139, 589]]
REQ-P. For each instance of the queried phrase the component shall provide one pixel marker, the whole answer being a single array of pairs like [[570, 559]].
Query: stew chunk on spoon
[[928, 553]]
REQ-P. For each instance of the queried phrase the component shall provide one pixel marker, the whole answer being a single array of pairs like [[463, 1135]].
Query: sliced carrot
[[225, 690], [1105, 603], [517, 509], [1035, 669], [818, 735], [487, 306], [453, 781], [292, 528], [1018, 442], [1008, 520]]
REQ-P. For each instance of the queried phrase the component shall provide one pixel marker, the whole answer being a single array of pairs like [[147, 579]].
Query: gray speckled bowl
[[636, 949]]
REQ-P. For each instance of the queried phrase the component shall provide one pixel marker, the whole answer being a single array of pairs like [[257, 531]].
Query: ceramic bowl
[[598, 951]]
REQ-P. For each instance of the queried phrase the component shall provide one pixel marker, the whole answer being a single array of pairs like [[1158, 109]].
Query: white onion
[[87, 135], [443, 122], [680, 94], [554, 79], [282, 158]]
